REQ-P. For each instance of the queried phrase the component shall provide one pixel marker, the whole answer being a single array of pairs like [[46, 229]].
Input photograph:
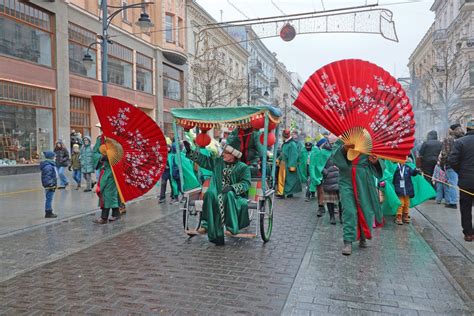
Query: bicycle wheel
[[191, 219], [266, 219]]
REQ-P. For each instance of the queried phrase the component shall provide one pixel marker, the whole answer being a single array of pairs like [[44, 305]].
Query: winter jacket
[[48, 173], [87, 165], [461, 159], [397, 177], [75, 161], [331, 177], [429, 152], [62, 155]]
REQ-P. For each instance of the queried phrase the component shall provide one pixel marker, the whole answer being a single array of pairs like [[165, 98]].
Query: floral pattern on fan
[[137, 174], [351, 96], [364, 103]]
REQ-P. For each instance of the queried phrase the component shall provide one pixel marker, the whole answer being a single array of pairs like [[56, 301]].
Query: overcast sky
[[306, 53]]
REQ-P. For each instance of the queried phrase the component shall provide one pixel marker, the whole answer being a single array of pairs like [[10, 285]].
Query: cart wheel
[[191, 220], [266, 219]]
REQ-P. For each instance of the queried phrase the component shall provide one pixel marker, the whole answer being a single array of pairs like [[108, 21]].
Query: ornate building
[[442, 68]]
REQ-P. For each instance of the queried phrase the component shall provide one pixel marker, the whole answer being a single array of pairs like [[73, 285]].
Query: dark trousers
[[465, 205], [165, 178], [106, 211]]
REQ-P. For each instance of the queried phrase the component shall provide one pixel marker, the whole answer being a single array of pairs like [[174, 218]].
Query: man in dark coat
[[429, 153], [461, 159]]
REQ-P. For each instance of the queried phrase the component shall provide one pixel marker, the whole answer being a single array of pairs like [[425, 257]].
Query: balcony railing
[[256, 66], [440, 35]]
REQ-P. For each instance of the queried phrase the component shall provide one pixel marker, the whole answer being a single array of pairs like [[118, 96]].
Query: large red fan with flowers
[[362, 104], [135, 146]]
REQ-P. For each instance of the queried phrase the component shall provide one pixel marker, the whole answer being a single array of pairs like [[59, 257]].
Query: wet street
[[145, 264]]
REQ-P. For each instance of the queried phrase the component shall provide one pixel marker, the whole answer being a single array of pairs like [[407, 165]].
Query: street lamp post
[[143, 22]]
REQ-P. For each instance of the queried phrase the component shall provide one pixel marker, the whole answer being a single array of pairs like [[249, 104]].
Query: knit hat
[[75, 146], [49, 154], [470, 124], [454, 126], [234, 152], [286, 133]]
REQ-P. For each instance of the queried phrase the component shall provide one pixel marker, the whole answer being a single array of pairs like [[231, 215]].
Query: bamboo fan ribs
[[362, 104]]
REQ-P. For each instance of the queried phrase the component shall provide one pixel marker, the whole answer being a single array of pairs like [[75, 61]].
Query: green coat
[[190, 180], [360, 202], [318, 160], [87, 165], [288, 179], [219, 209], [108, 195]]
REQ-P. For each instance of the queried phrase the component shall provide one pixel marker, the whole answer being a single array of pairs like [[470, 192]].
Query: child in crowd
[[76, 165], [49, 181], [439, 176], [404, 190], [331, 190]]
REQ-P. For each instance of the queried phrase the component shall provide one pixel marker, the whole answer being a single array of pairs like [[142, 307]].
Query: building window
[[471, 73], [25, 32], [26, 114], [80, 109], [79, 40], [120, 65], [169, 28], [124, 12], [144, 73], [172, 82], [180, 32]]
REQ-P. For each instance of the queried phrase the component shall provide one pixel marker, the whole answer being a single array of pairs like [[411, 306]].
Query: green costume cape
[[288, 179], [318, 158], [358, 191], [422, 188], [219, 209], [190, 180], [108, 195]]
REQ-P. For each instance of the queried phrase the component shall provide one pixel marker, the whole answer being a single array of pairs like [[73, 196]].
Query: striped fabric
[[255, 190]]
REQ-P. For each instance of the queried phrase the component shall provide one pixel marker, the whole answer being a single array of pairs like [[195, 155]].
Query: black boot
[[332, 219], [340, 213], [320, 211]]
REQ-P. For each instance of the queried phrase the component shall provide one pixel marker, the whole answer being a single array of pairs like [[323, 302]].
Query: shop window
[[80, 110], [120, 65], [144, 73], [79, 40], [172, 83], [26, 123]]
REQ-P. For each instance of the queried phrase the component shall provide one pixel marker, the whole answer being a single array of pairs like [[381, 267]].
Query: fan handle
[[360, 138]]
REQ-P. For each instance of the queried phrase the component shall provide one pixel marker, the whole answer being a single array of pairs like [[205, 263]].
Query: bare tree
[[446, 78], [213, 80]]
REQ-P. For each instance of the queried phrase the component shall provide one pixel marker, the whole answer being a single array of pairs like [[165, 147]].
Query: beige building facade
[[45, 88]]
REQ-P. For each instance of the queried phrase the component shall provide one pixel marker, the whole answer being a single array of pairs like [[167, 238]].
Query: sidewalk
[[22, 202], [449, 220]]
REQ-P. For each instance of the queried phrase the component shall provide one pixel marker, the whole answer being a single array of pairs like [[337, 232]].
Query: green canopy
[[224, 115]]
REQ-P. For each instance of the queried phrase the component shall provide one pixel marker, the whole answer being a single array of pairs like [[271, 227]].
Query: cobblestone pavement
[[155, 269], [396, 274]]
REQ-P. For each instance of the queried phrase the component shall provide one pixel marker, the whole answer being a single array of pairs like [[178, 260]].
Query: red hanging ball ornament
[[271, 138], [287, 32], [202, 140], [257, 121]]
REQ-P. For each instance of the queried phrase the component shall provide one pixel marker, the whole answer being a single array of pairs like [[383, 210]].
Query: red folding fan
[[135, 146], [362, 104]]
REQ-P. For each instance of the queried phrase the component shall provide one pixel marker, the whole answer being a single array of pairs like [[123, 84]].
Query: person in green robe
[[304, 166], [359, 195], [106, 188], [225, 202], [288, 180], [247, 141], [189, 177]]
